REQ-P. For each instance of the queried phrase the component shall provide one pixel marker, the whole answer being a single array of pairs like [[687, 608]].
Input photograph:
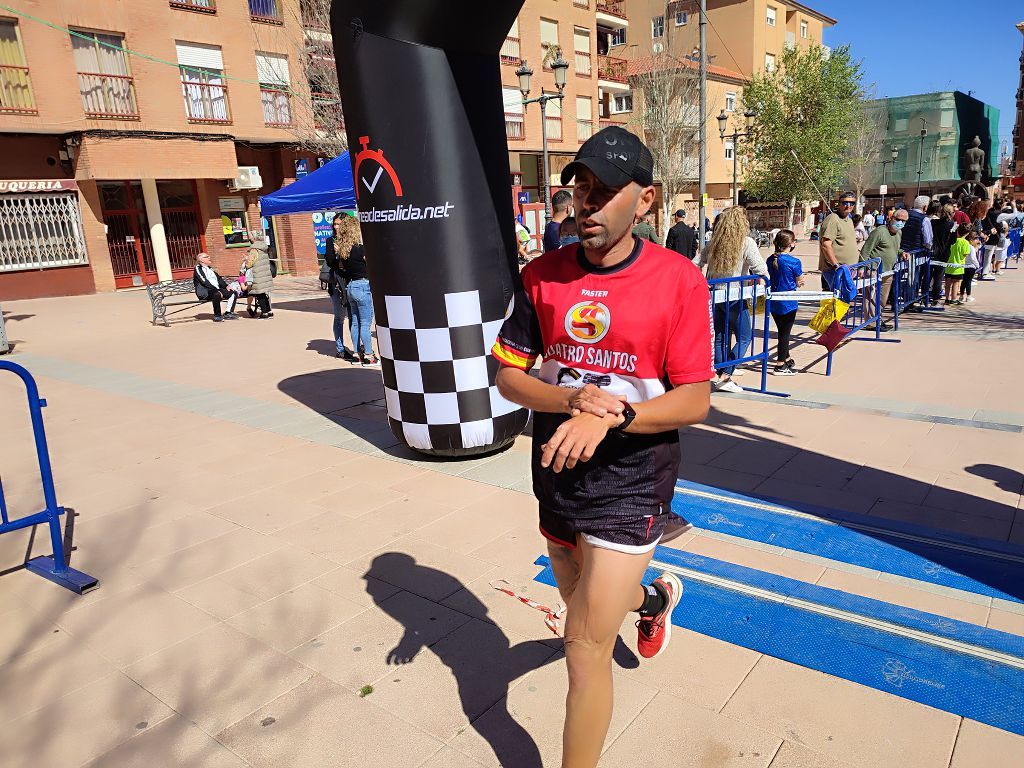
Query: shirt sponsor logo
[[588, 321]]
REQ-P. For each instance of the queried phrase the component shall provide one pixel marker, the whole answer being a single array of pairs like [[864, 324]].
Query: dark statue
[[975, 157]]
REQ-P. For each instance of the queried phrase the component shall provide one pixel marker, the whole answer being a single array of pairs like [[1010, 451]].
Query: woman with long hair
[[732, 252], [360, 303], [339, 245]]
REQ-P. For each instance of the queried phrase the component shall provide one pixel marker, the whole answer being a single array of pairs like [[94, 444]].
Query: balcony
[[327, 114], [612, 14], [312, 18], [16, 91], [584, 129], [515, 125], [554, 126], [201, 6], [583, 68], [277, 108], [612, 73], [206, 102], [266, 11], [510, 51], [108, 95]]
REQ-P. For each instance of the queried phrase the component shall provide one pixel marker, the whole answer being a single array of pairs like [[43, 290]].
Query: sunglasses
[[848, 203]]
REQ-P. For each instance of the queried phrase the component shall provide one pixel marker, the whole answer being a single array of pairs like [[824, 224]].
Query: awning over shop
[[329, 188], [121, 157]]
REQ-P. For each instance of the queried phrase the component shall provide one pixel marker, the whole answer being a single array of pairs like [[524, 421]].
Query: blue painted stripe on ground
[[986, 573], [963, 684]]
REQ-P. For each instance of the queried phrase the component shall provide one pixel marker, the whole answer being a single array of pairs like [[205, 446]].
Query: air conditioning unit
[[248, 177]]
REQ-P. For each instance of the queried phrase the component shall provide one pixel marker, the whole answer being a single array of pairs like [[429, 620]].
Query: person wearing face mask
[[568, 232], [885, 243]]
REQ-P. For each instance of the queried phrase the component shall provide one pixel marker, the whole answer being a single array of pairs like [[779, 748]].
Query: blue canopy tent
[[329, 188]]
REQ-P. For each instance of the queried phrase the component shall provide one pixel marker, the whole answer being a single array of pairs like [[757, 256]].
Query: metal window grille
[[40, 231]]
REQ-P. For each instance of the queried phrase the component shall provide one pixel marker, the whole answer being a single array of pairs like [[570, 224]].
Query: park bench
[[159, 293]]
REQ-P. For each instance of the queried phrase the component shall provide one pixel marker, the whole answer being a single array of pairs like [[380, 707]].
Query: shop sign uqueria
[[37, 185]]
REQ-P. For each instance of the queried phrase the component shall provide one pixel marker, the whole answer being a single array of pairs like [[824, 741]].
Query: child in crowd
[[971, 264], [860, 233], [958, 253], [786, 274], [999, 259]]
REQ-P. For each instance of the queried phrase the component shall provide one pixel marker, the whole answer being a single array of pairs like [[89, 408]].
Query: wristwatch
[[628, 414]]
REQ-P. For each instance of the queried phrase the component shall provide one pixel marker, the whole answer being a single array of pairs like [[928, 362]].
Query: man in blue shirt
[[561, 202]]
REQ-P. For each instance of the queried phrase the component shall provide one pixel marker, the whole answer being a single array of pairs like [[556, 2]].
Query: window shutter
[[199, 56], [272, 69]]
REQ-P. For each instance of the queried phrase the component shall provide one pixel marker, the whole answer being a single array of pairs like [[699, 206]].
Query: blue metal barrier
[[1014, 251], [733, 305], [55, 567], [866, 308]]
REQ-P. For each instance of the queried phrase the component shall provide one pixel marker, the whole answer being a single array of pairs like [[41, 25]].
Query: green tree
[[807, 105]]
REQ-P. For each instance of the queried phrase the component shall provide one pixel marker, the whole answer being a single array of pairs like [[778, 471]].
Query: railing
[[584, 129], [510, 51], [277, 107], [108, 95], [554, 127], [583, 68], [327, 113], [16, 90], [310, 19], [39, 231], [265, 11], [612, 7], [206, 102], [612, 69], [203, 6]]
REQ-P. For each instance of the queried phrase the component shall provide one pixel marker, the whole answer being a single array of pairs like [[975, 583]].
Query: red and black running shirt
[[634, 329]]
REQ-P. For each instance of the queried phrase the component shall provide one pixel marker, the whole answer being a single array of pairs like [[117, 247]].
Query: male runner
[[624, 329]]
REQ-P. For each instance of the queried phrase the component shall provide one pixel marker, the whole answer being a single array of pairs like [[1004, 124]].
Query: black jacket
[[204, 287], [682, 238], [337, 281]]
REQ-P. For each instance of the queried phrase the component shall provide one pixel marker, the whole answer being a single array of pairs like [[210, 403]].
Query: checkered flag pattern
[[439, 374]]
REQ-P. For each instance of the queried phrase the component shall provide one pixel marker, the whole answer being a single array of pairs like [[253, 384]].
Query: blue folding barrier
[[733, 309], [55, 567], [1014, 252], [866, 308]]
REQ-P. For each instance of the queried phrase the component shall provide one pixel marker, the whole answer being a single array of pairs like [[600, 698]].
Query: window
[[730, 101], [900, 124], [803, 30], [770, 16], [510, 48], [769, 62], [657, 27], [203, 6], [15, 86], [233, 221], [514, 121], [202, 83], [619, 36], [275, 88], [623, 102], [266, 11], [682, 17], [41, 230], [584, 118], [548, 34], [581, 41], [729, 149], [946, 118], [104, 80]]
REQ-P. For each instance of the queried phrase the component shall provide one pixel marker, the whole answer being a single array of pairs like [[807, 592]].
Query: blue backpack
[[841, 280]]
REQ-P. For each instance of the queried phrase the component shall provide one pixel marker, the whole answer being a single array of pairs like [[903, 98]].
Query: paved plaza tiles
[[266, 551]]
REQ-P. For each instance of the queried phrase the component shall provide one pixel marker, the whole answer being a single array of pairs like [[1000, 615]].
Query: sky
[[922, 46]]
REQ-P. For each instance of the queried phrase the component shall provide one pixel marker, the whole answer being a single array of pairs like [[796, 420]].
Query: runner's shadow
[[481, 658]]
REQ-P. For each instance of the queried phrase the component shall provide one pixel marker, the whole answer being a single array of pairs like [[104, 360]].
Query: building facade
[[933, 134], [1017, 157], [135, 135]]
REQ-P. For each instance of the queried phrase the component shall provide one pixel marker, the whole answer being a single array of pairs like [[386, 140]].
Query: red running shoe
[[654, 632]]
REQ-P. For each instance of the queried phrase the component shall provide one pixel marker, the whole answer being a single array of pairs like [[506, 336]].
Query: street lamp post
[[723, 121], [895, 154], [920, 159], [559, 66]]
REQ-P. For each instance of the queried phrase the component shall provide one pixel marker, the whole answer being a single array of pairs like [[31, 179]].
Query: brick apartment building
[[119, 167], [1017, 158]]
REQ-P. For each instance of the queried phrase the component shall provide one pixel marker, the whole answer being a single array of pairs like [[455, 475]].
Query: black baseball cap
[[680, 213], [616, 157]]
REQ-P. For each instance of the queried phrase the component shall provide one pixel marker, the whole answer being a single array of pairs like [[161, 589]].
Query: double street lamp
[[559, 66], [735, 136], [895, 154], [920, 157]]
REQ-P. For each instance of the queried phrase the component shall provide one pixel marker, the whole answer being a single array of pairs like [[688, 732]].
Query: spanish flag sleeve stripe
[[512, 357]]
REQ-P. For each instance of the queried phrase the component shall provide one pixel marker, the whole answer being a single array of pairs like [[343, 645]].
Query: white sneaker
[[729, 386], [969, 298], [737, 373]]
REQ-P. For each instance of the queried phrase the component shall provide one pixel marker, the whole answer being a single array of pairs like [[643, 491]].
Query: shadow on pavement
[[483, 669]]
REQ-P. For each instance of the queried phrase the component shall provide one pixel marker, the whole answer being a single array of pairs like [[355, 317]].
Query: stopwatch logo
[[383, 166]]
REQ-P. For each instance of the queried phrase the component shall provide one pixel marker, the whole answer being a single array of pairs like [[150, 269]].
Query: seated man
[[213, 288]]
